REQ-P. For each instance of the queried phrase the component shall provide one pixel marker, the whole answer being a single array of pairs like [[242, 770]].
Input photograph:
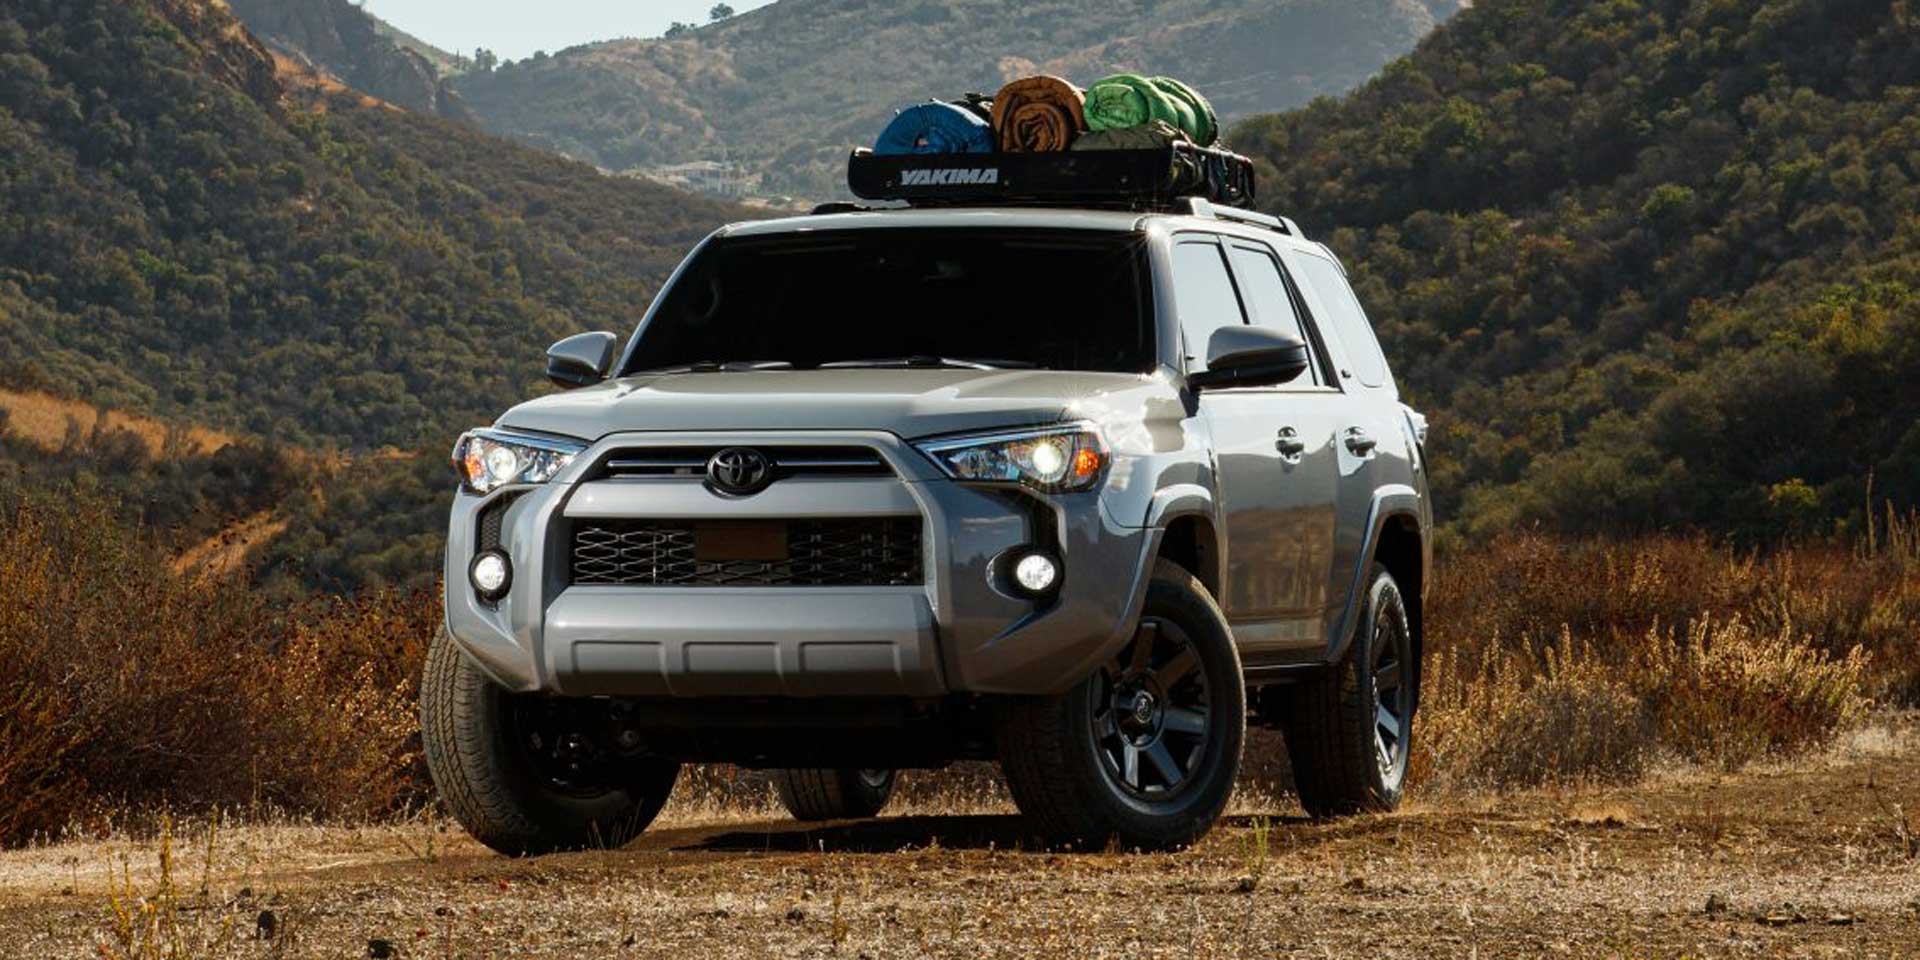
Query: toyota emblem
[[739, 472]]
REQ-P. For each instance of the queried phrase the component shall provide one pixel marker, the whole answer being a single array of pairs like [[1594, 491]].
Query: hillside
[[362, 51], [1647, 267], [787, 89], [1648, 264], [177, 237]]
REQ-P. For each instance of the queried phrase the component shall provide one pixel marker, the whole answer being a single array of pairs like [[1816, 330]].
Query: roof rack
[[1156, 179], [1208, 210]]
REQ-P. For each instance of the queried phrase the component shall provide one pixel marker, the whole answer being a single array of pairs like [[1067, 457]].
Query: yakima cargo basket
[[1127, 179]]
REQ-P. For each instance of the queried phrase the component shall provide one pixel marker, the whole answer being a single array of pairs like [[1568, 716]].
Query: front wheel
[[528, 773], [1145, 751], [1350, 731]]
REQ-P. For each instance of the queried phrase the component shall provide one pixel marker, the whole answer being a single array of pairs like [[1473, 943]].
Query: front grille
[[861, 552], [787, 462]]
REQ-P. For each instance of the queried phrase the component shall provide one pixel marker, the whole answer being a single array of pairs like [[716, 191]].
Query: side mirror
[[581, 361], [1243, 356]]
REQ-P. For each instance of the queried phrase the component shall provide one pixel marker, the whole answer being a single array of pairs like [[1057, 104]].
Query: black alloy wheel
[[1392, 653], [576, 747], [1150, 708]]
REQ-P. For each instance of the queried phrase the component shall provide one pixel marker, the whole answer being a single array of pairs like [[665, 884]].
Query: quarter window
[[1346, 319], [1204, 296]]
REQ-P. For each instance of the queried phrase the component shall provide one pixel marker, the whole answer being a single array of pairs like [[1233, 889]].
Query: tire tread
[[814, 794], [454, 756], [466, 753]]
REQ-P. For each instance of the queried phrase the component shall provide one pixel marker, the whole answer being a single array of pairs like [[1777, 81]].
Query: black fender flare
[[1390, 502]]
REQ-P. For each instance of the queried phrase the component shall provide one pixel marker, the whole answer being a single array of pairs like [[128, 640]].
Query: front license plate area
[[747, 541]]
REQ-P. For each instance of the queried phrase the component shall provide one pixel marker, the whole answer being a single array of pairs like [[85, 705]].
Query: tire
[[833, 794], [481, 748], [1065, 757], [1349, 731]]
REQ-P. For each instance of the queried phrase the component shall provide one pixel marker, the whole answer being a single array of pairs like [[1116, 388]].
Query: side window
[[1204, 296], [1345, 319], [1265, 288]]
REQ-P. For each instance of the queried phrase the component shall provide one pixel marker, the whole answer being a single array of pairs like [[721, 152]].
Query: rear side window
[[1263, 283], [1346, 319], [1204, 296]]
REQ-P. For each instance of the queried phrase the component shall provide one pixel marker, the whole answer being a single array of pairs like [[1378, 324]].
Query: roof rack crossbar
[[1208, 210], [1150, 179], [841, 206]]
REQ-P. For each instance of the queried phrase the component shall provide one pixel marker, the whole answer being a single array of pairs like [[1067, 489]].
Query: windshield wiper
[[715, 366], [930, 362]]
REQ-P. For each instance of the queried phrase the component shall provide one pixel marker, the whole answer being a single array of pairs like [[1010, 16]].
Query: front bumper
[[958, 631]]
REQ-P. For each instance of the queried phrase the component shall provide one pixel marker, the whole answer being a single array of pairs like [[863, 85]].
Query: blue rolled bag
[[936, 128]]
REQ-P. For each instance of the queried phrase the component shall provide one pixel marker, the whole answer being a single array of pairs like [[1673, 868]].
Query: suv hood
[[910, 403]]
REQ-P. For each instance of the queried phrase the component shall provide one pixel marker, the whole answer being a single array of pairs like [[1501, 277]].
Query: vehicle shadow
[[995, 831], [894, 834]]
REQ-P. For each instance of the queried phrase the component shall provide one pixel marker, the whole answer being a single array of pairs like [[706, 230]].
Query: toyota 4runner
[[1081, 491]]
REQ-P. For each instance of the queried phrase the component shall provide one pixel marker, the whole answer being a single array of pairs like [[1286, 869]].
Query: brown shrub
[[1554, 660], [334, 721], [1727, 694], [1502, 722], [126, 688]]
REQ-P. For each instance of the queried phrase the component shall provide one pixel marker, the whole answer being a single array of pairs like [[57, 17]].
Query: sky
[[514, 29]]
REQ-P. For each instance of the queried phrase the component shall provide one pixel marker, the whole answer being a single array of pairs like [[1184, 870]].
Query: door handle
[[1289, 443], [1360, 442]]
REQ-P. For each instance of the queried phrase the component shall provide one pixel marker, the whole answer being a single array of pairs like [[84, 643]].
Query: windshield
[[979, 299]]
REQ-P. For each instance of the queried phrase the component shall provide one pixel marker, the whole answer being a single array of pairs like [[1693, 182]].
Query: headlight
[[1054, 460], [487, 460]]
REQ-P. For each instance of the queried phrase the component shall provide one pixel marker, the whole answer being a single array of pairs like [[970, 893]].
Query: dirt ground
[[1818, 858]]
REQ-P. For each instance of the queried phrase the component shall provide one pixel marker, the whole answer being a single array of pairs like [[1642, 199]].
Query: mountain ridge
[[787, 89], [362, 51]]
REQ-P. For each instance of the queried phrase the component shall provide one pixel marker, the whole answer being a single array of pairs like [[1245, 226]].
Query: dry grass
[[51, 423], [1557, 661], [165, 921]]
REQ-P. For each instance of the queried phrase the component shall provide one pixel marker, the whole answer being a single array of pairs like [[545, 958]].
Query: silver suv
[[1084, 492]]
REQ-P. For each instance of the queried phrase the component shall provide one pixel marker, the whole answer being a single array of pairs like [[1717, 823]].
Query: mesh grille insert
[[863, 552], [491, 518]]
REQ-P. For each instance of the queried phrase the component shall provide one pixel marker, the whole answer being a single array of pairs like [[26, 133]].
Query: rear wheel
[[1145, 751], [1350, 731], [529, 773], [815, 794]]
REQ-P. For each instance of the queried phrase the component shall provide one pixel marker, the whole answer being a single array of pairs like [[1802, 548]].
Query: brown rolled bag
[[1038, 115]]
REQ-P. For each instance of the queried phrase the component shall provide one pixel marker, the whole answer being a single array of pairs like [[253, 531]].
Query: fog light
[[1036, 573], [491, 575]]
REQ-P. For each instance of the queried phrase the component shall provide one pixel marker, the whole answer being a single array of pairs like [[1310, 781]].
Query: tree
[[720, 12], [678, 29], [485, 60]]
